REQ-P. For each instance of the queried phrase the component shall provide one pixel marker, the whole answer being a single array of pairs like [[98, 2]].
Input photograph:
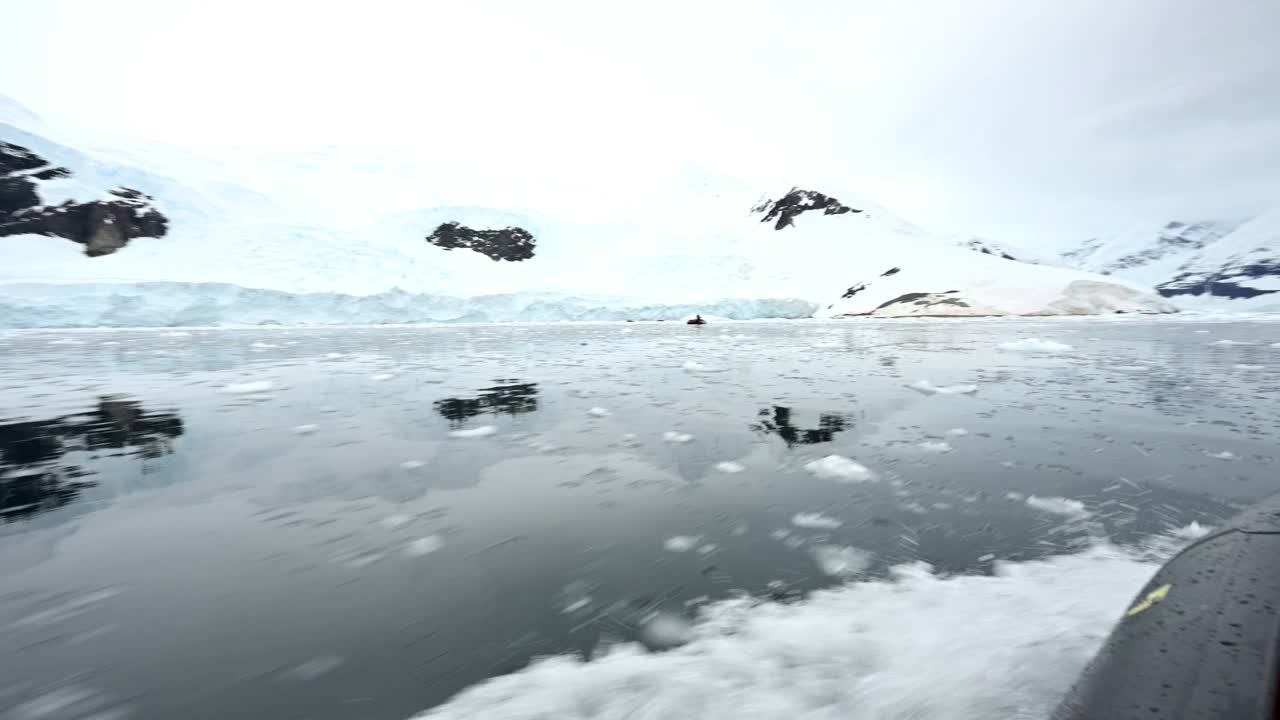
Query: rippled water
[[362, 522]]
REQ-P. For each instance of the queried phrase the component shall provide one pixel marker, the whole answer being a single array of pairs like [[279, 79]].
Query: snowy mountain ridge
[[702, 239]]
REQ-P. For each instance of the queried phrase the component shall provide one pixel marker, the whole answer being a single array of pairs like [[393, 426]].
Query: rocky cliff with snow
[[269, 241]]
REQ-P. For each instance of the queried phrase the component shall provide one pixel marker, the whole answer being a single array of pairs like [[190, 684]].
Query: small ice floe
[[691, 366], [1228, 343], [840, 560], [682, 543], [986, 558], [316, 667], [729, 467], [816, 521], [305, 429], [1008, 464], [780, 534], [927, 388], [423, 546], [1035, 346], [957, 432], [1242, 366], [382, 376], [840, 469], [1224, 455], [477, 432], [663, 630], [391, 522], [66, 341], [1131, 368], [1014, 496], [708, 549], [411, 464], [935, 446], [333, 356], [261, 345], [1058, 506], [581, 603], [250, 388], [1274, 344], [672, 436], [1202, 332], [598, 412]]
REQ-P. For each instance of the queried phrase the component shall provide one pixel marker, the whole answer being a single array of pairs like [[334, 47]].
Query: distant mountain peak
[[784, 211]]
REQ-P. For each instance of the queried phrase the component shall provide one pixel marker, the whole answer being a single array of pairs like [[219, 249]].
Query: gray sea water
[[365, 522]]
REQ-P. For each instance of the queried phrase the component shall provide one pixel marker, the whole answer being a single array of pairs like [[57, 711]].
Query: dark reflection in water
[[777, 421], [508, 396], [35, 478]]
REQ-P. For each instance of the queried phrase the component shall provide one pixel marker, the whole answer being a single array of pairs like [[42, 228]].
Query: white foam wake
[[914, 646]]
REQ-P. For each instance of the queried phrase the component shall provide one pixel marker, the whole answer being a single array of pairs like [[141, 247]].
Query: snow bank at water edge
[[913, 646], [162, 304]]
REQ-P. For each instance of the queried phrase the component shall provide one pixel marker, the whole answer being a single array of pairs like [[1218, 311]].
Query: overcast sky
[[1032, 121]]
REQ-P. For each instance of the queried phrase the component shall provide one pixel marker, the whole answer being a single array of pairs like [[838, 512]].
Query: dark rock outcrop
[[784, 211], [1227, 282], [926, 300], [102, 226], [513, 244]]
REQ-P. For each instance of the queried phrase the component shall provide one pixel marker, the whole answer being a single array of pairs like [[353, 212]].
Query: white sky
[[1031, 121]]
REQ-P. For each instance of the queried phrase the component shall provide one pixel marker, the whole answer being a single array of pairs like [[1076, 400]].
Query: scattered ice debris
[[477, 432], [676, 437], [840, 469], [1058, 506], [928, 388], [780, 534], [261, 345], [316, 667], [935, 446], [576, 605], [691, 366], [412, 464], [598, 412], [423, 546], [1035, 345], [66, 341], [815, 520], [682, 543], [305, 429], [1194, 531], [665, 630], [1242, 366], [178, 333], [729, 467], [333, 356], [708, 549], [391, 522], [382, 376], [957, 432], [987, 558], [1226, 343], [249, 388], [840, 560], [1014, 496], [1224, 455]]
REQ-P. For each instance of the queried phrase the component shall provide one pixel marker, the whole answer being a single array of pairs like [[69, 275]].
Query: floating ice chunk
[[1132, 368], [1014, 496], [579, 604], [1035, 345], [729, 467], [423, 546], [382, 376], [598, 412], [928, 388], [666, 630], [1224, 455], [1242, 366], [682, 543], [676, 437], [840, 469], [708, 549], [392, 522], [935, 446], [1274, 344], [333, 356], [986, 558], [1194, 531], [412, 464], [67, 341], [691, 366], [478, 432], [957, 432], [250, 388], [815, 520], [261, 345], [1226, 343], [305, 429], [780, 534], [840, 561], [1058, 506]]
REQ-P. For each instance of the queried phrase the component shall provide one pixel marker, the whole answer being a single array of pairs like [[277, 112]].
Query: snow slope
[[328, 234], [1146, 254]]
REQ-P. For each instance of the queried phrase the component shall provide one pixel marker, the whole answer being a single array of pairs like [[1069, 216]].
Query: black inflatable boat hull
[[1201, 639]]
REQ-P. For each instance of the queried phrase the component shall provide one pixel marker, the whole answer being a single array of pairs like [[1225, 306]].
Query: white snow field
[[294, 241]]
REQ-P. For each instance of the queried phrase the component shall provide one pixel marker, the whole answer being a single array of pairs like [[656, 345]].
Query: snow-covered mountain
[[305, 240], [1221, 264]]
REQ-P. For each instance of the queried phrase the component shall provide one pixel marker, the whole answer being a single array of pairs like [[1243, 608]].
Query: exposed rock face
[[986, 247], [513, 244], [783, 212], [1229, 281], [102, 226]]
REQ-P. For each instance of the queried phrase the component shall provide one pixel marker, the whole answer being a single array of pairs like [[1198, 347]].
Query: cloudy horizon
[[1032, 123]]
